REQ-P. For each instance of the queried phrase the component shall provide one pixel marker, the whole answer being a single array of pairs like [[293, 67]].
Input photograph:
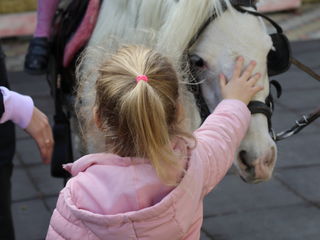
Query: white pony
[[168, 26]]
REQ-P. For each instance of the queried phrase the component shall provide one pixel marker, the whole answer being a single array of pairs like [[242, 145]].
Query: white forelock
[[184, 22]]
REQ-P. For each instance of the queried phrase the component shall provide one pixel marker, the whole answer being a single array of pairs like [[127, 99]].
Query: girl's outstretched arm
[[218, 139], [221, 133]]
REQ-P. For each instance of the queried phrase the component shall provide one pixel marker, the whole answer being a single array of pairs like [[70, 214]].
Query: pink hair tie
[[142, 77]]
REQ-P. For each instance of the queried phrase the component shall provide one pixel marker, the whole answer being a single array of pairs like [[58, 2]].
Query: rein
[[305, 120], [300, 124]]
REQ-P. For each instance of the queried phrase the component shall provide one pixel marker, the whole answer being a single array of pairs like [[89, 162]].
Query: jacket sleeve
[[218, 139], [1, 105], [17, 108]]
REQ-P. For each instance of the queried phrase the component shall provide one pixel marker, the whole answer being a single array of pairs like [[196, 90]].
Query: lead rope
[[305, 120], [305, 68], [300, 124]]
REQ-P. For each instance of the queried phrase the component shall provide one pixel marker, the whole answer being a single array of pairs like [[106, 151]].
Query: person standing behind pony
[[20, 110], [152, 181], [37, 58]]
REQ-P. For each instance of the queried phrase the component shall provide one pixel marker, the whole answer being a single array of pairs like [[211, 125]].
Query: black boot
[[36, 61]]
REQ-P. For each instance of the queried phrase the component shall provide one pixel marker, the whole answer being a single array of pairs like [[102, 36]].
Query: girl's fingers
[[223, 80], [257, 89], [254, 79], [248, 72], [238, 67]]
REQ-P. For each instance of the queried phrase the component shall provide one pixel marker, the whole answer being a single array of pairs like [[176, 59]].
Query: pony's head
[[229, 35]]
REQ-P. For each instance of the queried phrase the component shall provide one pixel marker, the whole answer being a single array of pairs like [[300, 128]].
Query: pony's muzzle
[[256, 169]]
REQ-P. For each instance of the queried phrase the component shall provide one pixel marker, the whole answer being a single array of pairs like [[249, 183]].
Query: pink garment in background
[[46, 11], [83, 33], [17, 108], [276, 5]]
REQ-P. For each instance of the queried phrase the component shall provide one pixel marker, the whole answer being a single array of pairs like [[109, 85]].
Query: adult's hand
[[40, 129]]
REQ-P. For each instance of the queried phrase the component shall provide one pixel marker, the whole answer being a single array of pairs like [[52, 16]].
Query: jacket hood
[[148, 222]]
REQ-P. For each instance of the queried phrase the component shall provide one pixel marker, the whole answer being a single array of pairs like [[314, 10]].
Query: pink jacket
[[115, 198]]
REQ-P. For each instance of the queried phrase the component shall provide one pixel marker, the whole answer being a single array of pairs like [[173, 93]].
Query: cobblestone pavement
[[285, 208]]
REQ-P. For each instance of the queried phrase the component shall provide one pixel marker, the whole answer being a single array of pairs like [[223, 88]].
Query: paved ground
[[287, 207]]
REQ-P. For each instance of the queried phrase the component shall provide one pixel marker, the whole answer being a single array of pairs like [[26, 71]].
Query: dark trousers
[[7, 149], [6, 223]]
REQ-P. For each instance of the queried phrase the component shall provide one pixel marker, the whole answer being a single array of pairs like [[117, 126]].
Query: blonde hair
[[139, 118]]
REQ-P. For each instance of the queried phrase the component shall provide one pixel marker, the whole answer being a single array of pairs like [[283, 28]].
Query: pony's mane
[[165, 25], [130, 21], [183, 23]]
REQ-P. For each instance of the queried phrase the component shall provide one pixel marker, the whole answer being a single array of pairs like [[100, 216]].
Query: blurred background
[[299, 18], [287, 207]]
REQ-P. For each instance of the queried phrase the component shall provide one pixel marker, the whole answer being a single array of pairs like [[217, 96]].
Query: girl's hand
[[242, 86]]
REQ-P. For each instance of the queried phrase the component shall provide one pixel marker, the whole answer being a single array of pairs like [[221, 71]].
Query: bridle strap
[[276, 25], [306, 119], [261, 107], [237, 4], [244, 3], [201, 30], [266, 107], [294, 61]]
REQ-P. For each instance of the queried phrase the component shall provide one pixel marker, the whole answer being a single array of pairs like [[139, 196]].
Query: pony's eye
[[196, 61]]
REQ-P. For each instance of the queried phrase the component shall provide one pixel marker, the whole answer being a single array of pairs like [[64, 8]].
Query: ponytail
[[143, 112], [138, 113]]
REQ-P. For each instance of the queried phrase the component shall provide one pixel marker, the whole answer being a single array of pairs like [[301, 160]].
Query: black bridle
[[279, 61]]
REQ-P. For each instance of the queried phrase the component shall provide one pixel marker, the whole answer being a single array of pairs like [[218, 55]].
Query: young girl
[[152, 181]]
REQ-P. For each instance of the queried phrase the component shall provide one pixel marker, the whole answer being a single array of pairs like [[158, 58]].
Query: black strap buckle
[[244, 3]]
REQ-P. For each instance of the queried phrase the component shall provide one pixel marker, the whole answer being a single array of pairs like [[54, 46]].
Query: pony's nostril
[[267, 162], [270, 157], [243, 156]]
